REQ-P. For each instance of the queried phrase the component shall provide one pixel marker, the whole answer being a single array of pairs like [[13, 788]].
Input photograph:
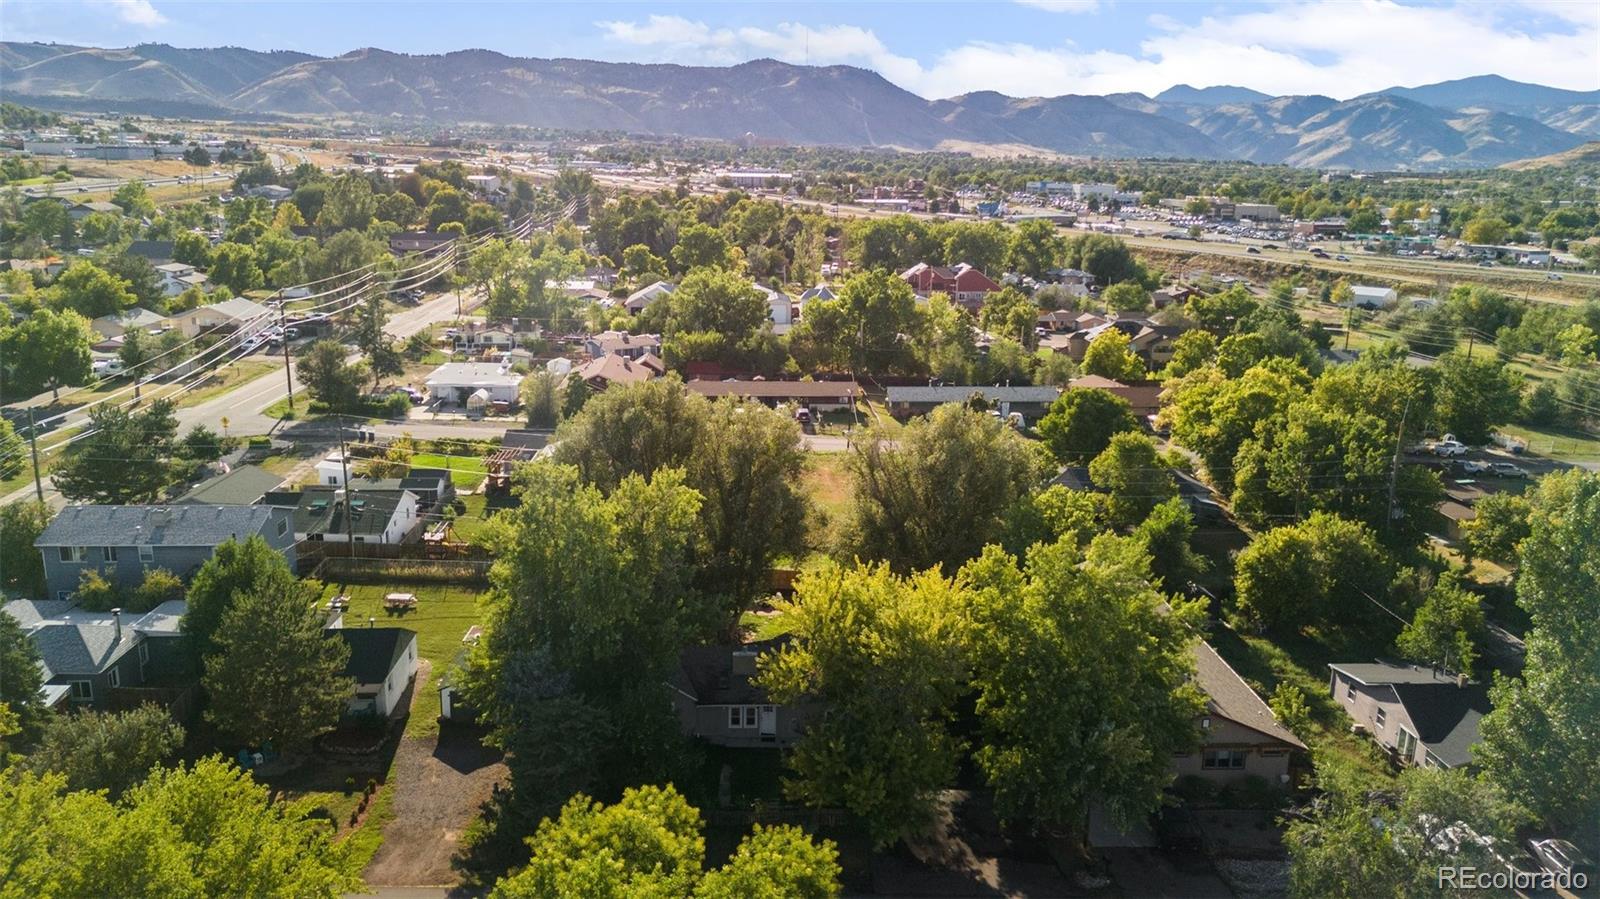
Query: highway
[[70, 189]]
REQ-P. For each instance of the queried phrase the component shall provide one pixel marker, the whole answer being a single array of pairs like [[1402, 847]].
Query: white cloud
[[1068, 6], [1341, 48], [136, 12]]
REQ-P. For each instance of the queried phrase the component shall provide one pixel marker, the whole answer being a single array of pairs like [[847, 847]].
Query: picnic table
[[400, 600], [340, 603]]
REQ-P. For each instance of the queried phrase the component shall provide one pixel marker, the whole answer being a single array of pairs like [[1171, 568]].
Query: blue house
[[123, 542]]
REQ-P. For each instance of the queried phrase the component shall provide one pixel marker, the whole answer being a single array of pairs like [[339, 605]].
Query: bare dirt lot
[[440, 783]]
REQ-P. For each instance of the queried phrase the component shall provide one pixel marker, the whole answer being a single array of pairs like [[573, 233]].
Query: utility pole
[[349, 492], [288, 377], [33, 443], [1394, 466], [1470, 337]]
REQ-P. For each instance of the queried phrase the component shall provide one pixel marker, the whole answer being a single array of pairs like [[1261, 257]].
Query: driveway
[[440, 782], [1152, 874]]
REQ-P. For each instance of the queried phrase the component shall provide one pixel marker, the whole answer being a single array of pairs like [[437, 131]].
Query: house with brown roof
[[622, 343], [1143, 396], [823, 396], [1240, 737], [612, 368], [968, 286]]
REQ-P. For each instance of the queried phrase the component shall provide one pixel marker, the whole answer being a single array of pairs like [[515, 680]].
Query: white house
[[484, 184], [780, 308], [1366, 296], [238, 313], [454, 382], [176, 277], [383, 663], [327, 514], [136, 318]]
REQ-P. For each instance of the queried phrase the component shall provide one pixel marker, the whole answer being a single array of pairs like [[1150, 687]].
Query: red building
[[965, 284]]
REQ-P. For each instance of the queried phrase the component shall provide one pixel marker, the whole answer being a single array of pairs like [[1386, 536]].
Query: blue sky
[[1024, 48]]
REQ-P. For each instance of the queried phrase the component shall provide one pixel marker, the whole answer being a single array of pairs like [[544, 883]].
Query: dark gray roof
[[1446, 717], [82, 648], [322, 511], [151, 249], [519, 438], [1374, 674], [175, 525], [242, 486], [374, 651], [706, 674]]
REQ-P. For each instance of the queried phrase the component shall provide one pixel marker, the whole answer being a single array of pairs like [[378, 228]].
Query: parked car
[[1448, 448], [1252, 250], [1472, 466], [1562, 858], [104, 368], [1508, 470], [1486, 264], [1553, 276], [1342, 257]]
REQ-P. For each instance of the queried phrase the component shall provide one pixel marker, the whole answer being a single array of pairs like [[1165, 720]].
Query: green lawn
[[1556, 443], [444, 613], [466, 472]]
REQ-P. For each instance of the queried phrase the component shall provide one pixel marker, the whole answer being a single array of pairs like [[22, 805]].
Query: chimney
[[116, 622], [1461, 680], [744, 662]]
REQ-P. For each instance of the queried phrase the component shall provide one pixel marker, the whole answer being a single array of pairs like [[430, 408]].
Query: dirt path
[[439, 784]]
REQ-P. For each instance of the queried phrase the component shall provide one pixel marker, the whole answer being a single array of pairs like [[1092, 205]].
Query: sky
[[1341, 48]]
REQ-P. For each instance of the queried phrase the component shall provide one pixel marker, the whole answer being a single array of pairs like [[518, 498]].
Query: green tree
[[397, 208], [1191, 351], [381, 357], [1110, 356], [134, 199], [235, 266], [1214, 415], [982, 245], [1473, 396], [192, 248], [1447, 628], [207, 830], [540, 400], [48, 349], [156, 587], [1356, 842], [1083, 675], [1538, 741], [330, 379], [1105, 257], [126, 458], [1167, 534], [651, 843], [109, 751], [882, 657], [276, 675], [348, 204], [13, 458], [1131, 472], [21, 568], [90, 291], [709, 301], [941, 492], [136, 350], [1128, 296], [1010, 313], [1498, 528], [20, 678], [233, 569], [1036, 247], [1324, 570], [1486, 229], [200, 444], [1082, 421], [700, 246], [862, 329]]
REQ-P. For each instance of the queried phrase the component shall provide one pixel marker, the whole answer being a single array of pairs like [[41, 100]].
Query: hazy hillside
[[1588, 153], [1475, 121]]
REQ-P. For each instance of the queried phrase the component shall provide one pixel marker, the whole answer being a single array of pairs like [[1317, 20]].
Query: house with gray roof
[[718, 699], [123, 542], [1420, 716], [243, 486], [85, 657], [1031, 401], [329, 514], [383, 663]]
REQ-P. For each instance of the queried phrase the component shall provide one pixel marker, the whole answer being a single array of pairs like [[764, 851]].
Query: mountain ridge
[[1429, 126]]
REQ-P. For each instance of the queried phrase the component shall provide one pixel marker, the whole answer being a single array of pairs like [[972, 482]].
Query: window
[[1223, 759], [147, 554], [749, 716], [1349, 692], [333, 480], [108, 553], [82, 691], [116, 677], [1406, 742], [283, 526], [741, 716], [74, 553], [64, 595], [144, 653], [1380, 719]]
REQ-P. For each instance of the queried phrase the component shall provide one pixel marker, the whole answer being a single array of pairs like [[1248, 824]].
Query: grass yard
[[466, 472], [226, 379], [444, 613], [826, 484], [1556, 443]]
